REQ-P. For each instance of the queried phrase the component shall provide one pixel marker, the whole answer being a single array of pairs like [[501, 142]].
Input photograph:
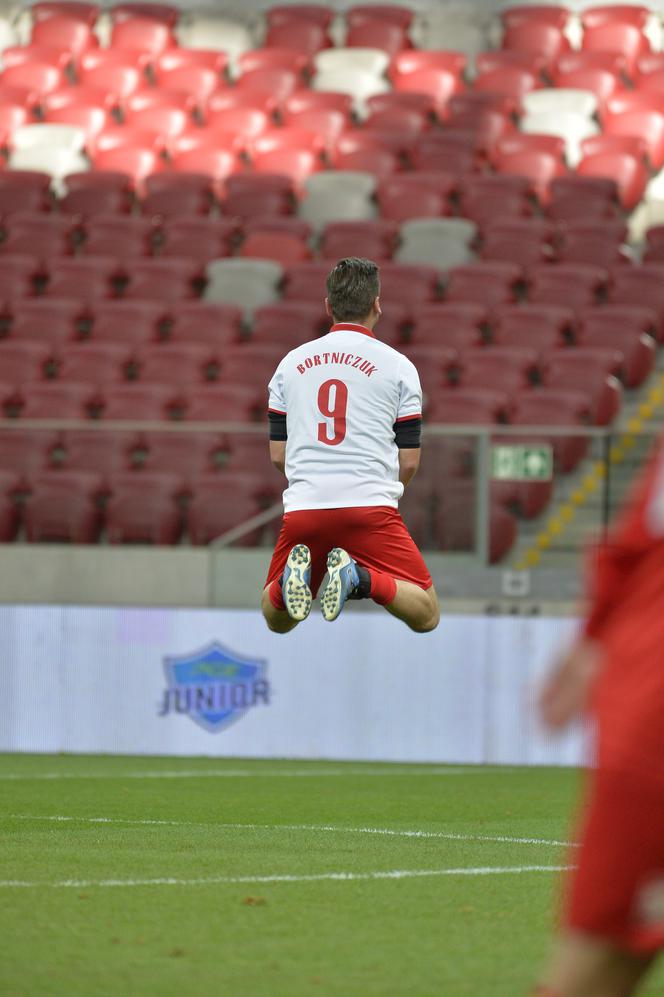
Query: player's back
[[342, 395]]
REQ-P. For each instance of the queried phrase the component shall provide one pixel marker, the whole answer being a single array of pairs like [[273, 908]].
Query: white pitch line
[[312, 878], [334, 828], [256, 774]]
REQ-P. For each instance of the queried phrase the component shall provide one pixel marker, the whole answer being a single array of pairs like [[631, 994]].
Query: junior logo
[[214, 686]]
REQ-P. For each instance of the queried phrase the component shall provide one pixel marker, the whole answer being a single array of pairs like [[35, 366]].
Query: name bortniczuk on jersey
[[344, 397]]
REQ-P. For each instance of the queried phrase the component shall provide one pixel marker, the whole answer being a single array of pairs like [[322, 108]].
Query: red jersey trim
[[277, 411], [405, 418], [352, 327]]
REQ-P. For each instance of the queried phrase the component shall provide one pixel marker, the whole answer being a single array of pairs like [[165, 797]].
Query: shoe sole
[[296, 591], [331, 602]]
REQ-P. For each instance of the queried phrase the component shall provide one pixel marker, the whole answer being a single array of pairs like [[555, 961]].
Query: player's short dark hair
[[352, 286]]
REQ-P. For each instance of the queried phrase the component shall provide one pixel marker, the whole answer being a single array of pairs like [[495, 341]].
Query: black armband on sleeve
[[408, 433], [277, 425]]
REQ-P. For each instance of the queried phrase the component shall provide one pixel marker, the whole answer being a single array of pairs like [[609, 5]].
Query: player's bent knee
[[427, 625]]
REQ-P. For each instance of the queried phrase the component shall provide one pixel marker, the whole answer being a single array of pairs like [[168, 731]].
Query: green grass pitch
[[155, 876]]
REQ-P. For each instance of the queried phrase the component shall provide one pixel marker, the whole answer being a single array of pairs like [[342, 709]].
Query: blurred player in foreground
[[613, 918], [345, 416]]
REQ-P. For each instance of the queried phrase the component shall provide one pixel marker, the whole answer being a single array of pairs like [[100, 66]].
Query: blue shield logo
[[214, 686]]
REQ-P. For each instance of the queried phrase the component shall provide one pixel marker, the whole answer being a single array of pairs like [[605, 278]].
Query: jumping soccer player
[[613, 921], [345, 416]]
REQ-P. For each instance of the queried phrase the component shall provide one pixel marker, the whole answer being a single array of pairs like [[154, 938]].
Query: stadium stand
[[173, 191]]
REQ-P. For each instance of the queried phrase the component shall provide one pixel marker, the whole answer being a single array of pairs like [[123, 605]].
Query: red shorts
[[375, 536], [617, 891]]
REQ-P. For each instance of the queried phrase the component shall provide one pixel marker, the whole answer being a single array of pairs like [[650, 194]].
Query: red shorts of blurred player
[[617, 892], [375, 536]]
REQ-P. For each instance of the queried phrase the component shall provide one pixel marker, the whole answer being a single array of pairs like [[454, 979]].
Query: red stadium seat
[[39, 77], [546, 40], [454, 526], [142, 34], [188, 200], [542, 327], [86, 12], [455, 324], [142, 508], [139, 162], [369, 158], [602, 83], [252, 364], [486, 198], [448, 152], [486, 283], [24, 359], [139, 401], [9, 510], [226, 403], [646, 125], [617, 36], [508, 81], [613, 327], [19, 274], [377, 33], [62, 507], [218, 325], [103, 451], [538, 166], [182, 364], [629, 173], [24, 451], [288, 323], [128, 322], [437, 366], [514, 17], [213, 162], [373, 239], [522, 240], [634, 145], [392, 13], [290, 59], [554, 407], [279, 246], [199, 238], [258, 201], [298, 33], [496, 59], [221, 502], [168, 278], [523, 142], [438, 84], [49, 320], [88, 278], [469, 406], [25, 230], [415, 195], [590, 371], [302, 100], [164, 13], [505, 368], [285, 13], [577, 285], [96, 363], [55, 399], [65, 33], [115, 235], [643, 286], [408, 284], [188, 454]]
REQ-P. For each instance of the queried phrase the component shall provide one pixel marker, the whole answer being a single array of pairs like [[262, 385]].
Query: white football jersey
[[342, 395]]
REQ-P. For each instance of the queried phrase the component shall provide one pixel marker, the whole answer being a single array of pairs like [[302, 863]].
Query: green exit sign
[[521, 463]]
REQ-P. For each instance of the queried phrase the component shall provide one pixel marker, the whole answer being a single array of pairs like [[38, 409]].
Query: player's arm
[[409, 461], [278, 454], [408, 437]]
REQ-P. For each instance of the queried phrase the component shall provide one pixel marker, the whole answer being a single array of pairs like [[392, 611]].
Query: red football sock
[[276, 595], [383, 587]]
